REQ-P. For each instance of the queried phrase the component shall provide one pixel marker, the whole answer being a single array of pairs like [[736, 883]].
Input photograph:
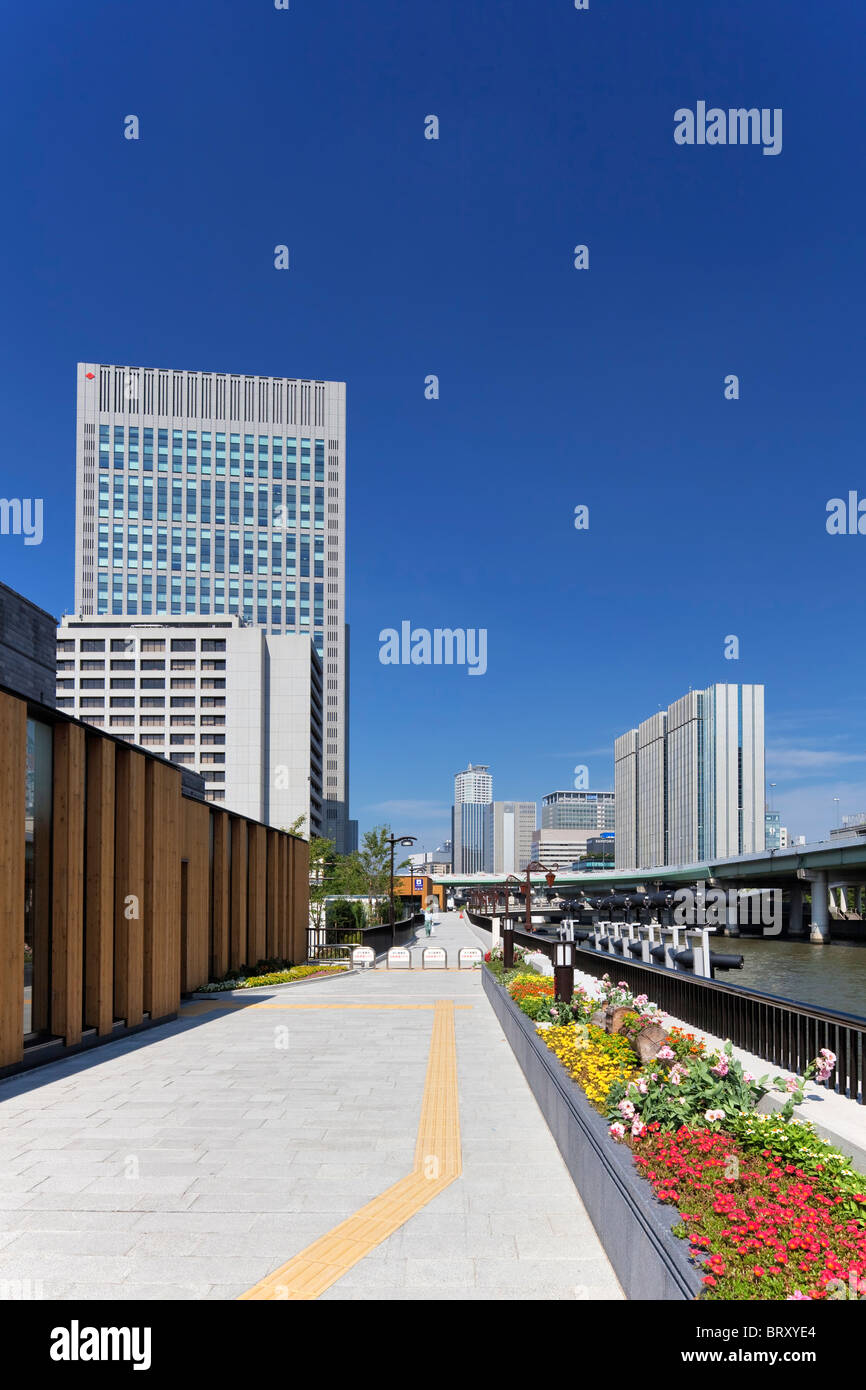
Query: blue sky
[[557, 387]]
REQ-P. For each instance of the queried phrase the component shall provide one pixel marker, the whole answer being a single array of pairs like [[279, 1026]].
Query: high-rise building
[[772, 830], [513, 828], [472, 821], [572, 810], [215, 494], [236, 704], [690, 780], [558, 849]]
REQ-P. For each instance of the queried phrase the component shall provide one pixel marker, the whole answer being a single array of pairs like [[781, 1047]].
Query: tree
[[296, 827], [321, 862], [347, 875], [374, 858]]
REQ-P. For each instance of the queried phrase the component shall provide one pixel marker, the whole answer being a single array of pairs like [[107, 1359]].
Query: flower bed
[[771, 1210], [274, 977]]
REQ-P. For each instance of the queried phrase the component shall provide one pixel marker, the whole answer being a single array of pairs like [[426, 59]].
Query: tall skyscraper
[[513, 828], [690, 780], [472, 821], [202, 493]]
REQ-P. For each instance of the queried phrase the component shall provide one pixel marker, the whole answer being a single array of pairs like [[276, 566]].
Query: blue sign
[[607, 835], [418, 883], [590, 796]]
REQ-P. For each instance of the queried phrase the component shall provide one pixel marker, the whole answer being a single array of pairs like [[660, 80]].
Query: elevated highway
[[832, 873]]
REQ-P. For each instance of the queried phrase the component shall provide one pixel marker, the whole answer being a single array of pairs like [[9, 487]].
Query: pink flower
[[626, 1108], [638, 1127], [616, 1130], [747, 1076], [641, 999], [721, 1067], [666, 1054]]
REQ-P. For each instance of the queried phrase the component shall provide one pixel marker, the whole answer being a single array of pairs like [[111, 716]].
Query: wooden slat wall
[[283, 908], [161, 914], [299, 897], [220, 896], [99, 886], [257, 839], [238, 926], [195, 942], [13, 767], [273, 889], [119, 831], [67, 930], [129, 826]]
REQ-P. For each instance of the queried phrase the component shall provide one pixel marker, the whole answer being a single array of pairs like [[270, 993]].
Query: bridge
[[833, 873]]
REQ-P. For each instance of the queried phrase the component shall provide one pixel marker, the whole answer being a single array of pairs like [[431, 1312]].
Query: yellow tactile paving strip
[[204, 1006], [438, 1162]]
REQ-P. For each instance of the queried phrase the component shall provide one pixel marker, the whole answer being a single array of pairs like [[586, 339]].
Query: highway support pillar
[[819, 932], [796, 927]]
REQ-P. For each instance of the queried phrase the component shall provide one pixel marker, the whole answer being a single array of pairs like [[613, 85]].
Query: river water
[[831, 977]]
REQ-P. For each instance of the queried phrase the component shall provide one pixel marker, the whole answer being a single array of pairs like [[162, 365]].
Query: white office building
[[239, 706], [558, 849], [513, 829], [208, 494], [472, 820], [690, 780]]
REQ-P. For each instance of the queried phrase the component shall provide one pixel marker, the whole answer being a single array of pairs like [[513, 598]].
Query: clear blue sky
[[558, 387]]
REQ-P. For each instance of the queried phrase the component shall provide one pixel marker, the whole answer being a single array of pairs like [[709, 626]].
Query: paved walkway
[[369, 1137]]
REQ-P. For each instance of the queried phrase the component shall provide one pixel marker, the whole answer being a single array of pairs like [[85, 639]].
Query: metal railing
[[336, 943], [784, 1032]]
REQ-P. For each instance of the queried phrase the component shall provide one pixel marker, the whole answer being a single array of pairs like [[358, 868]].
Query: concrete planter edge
[[635, 1228]]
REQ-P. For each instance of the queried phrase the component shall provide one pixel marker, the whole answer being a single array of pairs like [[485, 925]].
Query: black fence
[[784, 1032], [336, 943]]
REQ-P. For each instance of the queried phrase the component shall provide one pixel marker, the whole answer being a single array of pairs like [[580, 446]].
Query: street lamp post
[[535, 867], [392, 841]]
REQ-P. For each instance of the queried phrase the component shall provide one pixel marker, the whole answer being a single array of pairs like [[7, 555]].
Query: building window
[[183, 644], [93, 644]]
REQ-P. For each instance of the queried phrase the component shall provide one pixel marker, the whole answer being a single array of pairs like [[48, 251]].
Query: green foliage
[[346, 916], [684, 1094]]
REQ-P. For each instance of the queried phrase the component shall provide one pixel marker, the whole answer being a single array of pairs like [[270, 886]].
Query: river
[[831, 977]]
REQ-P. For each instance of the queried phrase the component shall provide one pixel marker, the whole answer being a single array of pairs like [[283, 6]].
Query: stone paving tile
[[246, 1156]]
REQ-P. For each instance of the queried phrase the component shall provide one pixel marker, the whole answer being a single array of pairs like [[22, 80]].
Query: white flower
[[617, 1130]]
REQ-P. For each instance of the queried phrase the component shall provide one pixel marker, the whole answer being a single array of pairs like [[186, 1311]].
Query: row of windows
[[126, 683], [268, 508], [136, 448], [148, 644]]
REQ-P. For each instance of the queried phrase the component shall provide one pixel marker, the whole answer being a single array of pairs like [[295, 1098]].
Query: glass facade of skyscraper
[[209, 522]]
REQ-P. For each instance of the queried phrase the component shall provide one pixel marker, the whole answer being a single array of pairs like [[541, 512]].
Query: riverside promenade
[[365, 1137]]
